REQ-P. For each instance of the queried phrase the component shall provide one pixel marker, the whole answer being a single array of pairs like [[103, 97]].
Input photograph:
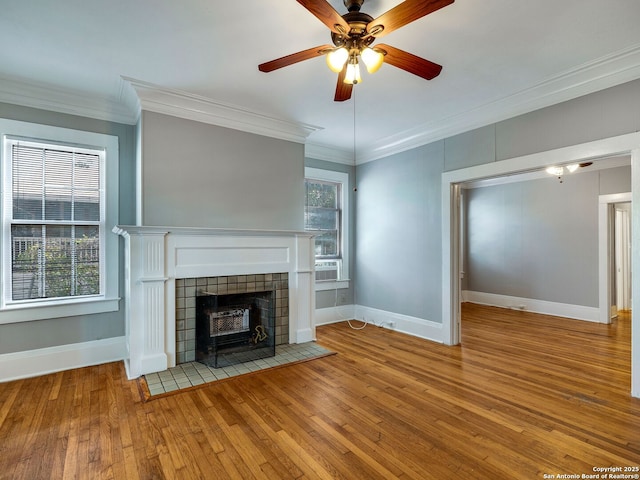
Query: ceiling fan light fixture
[[373, 59], [353, 34], [556, 171], [352, 76], [337, 58], [573, 167]]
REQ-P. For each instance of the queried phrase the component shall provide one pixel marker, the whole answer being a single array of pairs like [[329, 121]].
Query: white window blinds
[[56, 222]]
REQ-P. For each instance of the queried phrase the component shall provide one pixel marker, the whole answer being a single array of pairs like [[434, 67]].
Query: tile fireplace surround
[[157, 257]]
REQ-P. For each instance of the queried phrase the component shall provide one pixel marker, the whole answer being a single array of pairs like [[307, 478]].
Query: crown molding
[[608, 71], [135, 95], [328, 153], [45, 97], [154, 98]]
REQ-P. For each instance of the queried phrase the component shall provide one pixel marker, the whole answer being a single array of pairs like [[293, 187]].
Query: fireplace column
[[303, 303], [145, 280]]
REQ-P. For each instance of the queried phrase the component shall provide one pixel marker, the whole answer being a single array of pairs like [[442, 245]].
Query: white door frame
[[604, 252], [622, 257], [620, 145]]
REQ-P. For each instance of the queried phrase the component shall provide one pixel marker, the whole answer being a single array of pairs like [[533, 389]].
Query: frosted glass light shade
[[372, 59], [557, 171], [353, 74], [336, 59], [573, 167]]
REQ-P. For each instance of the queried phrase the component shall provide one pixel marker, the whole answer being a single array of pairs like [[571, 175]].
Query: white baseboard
[[418, 327], [305, 335], [577, 312], [32, 363], [325, 316]]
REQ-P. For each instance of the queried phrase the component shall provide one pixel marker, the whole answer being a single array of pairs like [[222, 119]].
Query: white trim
[[32, 363], [614, 162], [417, 327], [323, 285], [605, 72], [623, 144], [339, 313], [577, 312], [71, 102], [328, 153], [154, 98], [107, 301], [635, 267], [47, 310], [608, 71], [343, 179]]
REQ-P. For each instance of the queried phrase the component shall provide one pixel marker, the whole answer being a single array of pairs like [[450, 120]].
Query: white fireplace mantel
[[156, 256]]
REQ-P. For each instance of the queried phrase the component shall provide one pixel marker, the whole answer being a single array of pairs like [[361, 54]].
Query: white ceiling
[[500, 58]]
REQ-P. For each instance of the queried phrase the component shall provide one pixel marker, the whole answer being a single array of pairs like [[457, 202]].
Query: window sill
[[44, 311], [331, 285]]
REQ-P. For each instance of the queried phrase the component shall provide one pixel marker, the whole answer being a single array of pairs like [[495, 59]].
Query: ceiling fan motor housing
[[358, 22]]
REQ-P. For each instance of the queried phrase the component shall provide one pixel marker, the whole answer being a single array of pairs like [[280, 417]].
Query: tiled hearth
[[188, 288], [191, 374]]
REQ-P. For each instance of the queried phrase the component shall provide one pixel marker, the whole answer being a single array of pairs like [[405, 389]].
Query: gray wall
[[200, 175], [398, 230], [397, 264], [17, 337], [398, 241], [539, 239], [193, 175]]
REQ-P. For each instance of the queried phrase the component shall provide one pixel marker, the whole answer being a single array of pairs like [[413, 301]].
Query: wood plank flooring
[[523, 396]]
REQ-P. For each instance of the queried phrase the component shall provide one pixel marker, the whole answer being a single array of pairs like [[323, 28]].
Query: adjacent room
[[319, 239]]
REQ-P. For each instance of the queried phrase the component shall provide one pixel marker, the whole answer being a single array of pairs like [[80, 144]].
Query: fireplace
[[205, 303], [162, 262], [234, 328]]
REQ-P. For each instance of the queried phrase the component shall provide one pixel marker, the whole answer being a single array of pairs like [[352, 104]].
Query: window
[[322, 215], [55, 220], [56, 252], [326, 214]]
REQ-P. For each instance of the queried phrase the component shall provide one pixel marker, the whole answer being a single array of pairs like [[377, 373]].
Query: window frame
[[12, 311], [341, 178]]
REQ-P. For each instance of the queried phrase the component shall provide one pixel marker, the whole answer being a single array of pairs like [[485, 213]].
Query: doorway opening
[[451, 181], [622, 256], [614, 255]]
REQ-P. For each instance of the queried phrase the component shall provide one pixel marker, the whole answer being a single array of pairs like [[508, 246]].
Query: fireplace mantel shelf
[[156, 256], [141, 230]]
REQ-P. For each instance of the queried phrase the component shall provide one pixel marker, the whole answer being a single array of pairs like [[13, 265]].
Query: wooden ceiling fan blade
[[328, 15], [410, 63], [404, 13], [343, 90], [294, 58]]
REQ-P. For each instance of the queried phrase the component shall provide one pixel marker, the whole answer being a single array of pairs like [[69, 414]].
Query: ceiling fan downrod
[[353, 5]]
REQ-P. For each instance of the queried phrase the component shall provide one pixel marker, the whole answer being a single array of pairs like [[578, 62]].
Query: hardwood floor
[[523, 396]]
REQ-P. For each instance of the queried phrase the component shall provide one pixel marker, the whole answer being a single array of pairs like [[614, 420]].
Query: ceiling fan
[[353, 34]]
